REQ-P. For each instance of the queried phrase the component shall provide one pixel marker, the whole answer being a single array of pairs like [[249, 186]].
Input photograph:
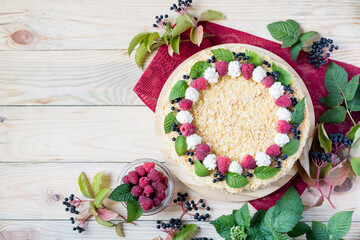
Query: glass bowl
[[161, 168]]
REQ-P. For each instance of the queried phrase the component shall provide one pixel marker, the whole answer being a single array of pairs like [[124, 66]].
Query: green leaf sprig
[[149, 41], [343, 97], [283, 218], [289, 33]]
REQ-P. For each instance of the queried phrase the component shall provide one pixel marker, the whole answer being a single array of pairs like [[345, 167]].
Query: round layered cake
[[234, 118]]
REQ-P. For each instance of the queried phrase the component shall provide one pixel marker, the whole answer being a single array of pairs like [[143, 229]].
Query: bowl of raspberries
[[151, 184]]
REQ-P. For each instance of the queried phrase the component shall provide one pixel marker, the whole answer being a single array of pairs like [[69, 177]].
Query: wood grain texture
[[68, 78], [81, 134], [169, 155], [110, 24], [35, 230], [35, 191]]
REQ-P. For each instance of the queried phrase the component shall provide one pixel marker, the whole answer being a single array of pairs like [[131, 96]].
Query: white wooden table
[[66, 95]]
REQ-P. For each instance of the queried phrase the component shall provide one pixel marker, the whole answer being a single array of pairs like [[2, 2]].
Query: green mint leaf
[[200, 169], [168, 122], [284, 76], [265, 172], [291, 202], [222, 54], [306, 36], [295, 50], [279, 236], [352, 133], [97, 181], [351, 86], [185, 233], [300, 228], [355, 165], [254, 58], [134, 210], [175, 43], [223, 224], [178, 90], [280, 30], [319, 230], [285, 221], [354, 105], [291, 147], [324, 140], [92, 209], [210, 15], [136, 40], [102, 222], [254, 233], [334, 115], [196, 35], [289, 41], [198, 69], [332, 100], [121, 193], [182, 24], [299, 112], [267, 224], [180, 145], [85, 186], [235, 180], [100, 196], [140, 54], [118, 229], [335, 78], [242, 216], [339, 224], [149, 39], [310, 236], [258, 217]]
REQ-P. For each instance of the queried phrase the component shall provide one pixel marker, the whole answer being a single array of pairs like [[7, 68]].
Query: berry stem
[[347, 110]]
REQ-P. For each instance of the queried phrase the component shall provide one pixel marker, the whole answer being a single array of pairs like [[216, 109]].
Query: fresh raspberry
[[148, 166], [187, 129], [154, 175], [199, 83], [221, 68], [202, 150], [273, 150], [144, 181], [165, 180], [248, 162], [283, 126], [283, 101], [247, 70], [185, 104], [126, 179], [159, 187], [133, 177], [157, 201], [160, 195], [223, 164], [140, 170], [136, 191], [268, 81], [148, 190], [146, 203]]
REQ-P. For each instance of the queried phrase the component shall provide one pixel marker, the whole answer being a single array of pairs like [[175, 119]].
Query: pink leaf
[[170, 50], [106, 214], [196, 34], [305, 177], [338, 174]]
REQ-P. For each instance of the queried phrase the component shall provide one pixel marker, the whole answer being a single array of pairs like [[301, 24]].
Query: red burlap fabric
[[151, 82]]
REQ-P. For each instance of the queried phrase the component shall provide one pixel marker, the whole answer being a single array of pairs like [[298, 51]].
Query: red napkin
[[151, 82]]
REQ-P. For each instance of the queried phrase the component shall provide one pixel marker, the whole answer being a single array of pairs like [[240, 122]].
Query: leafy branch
[[149, 41]]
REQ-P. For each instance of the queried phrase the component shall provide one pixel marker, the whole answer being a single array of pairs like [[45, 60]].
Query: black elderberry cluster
[[278, 159], [174, 223], [160, 20], [212, 59], [218, 177], [294, 101], [266, 63], [296, 132], [180, 5], [78, 228], [340, 138], [190, 160], [248, 174], [320, 156], [175, 128], [274, 74], [240, 55], [186, 77], [288, 88], [68, 205], [320, 51], [202, 238]]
